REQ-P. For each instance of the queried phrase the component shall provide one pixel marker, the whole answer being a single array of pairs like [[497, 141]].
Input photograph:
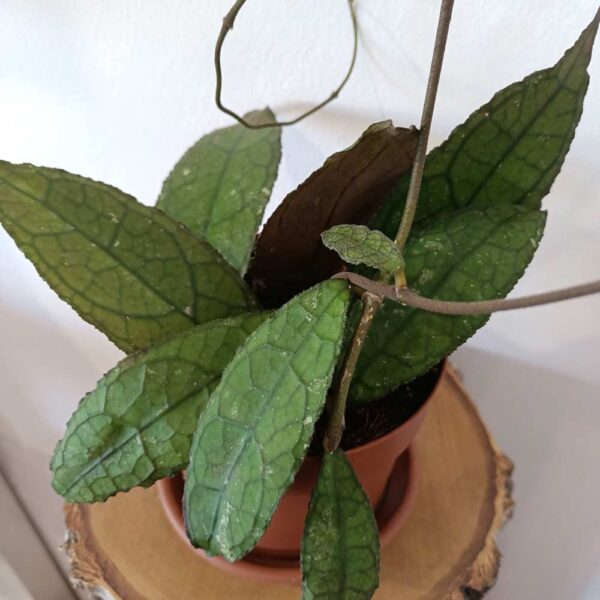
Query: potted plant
[[293, 369]]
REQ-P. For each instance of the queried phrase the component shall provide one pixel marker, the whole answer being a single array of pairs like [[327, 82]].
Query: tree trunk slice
[[125, 549]]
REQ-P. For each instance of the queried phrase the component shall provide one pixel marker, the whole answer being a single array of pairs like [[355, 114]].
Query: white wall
[[117, 90]]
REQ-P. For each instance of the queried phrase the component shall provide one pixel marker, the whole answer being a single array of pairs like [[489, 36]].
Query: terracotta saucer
[[397, 502]]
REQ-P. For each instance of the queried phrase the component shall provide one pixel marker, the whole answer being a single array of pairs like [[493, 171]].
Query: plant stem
[[406, 296], [414, 188], [371, 298], [335, 426], [228, 22]]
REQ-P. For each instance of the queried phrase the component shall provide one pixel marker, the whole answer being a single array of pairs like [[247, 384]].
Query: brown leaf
[[348, 188]]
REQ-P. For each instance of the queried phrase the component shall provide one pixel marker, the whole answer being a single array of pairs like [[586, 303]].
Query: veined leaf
[[221, 186], [510, 150], [137, 425], [473, 254], [128, 269], [350, 186], [340, 549], [258, 423], [359, 245]]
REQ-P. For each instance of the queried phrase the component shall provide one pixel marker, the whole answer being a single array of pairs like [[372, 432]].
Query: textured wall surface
[[118, 89]]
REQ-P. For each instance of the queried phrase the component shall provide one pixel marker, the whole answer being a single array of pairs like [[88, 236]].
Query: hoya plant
[[237, 341]]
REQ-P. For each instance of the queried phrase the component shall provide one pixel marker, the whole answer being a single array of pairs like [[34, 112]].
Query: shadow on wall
[[549, 425], [46, 366], [45, 369]]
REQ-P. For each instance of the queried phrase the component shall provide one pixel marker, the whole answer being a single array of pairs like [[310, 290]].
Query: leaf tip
[[588, 35], [261, 116]]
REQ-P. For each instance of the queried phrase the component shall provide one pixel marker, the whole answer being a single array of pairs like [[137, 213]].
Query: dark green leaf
[[137, 424], [359, 245], [128, 269], [289, 256], [221, 186], [510, 150], [258, 423], [473, 254], [340, 549]]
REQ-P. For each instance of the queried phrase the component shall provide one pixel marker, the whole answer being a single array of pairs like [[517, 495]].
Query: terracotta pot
[[276, 555]]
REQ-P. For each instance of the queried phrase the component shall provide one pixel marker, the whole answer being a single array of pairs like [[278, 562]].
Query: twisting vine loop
[[228, 22]]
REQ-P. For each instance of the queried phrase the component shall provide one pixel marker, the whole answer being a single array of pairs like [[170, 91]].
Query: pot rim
[[283, 574]]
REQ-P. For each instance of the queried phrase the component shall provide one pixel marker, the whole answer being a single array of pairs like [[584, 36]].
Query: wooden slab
[[125, 549]]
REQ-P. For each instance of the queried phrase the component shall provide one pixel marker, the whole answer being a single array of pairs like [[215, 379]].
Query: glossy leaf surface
[[348, 188], [473, 254], [510, 150], [128, 269], [340, 548], [137, 425], [259, 421], [359, 245], [221, 186]]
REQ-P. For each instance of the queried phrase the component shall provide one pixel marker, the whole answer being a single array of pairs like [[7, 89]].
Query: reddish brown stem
[[335, 426], [408, 297]]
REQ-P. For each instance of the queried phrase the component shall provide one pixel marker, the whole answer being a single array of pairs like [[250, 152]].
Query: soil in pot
[[368, 422]]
